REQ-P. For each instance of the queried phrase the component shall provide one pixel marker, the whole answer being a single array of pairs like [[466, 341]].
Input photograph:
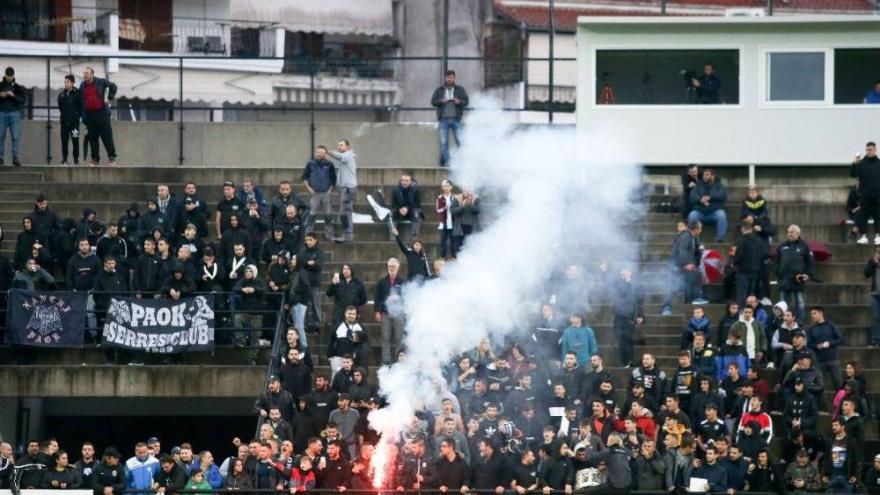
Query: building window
[[664, 77], [796, 76], [855, 75]]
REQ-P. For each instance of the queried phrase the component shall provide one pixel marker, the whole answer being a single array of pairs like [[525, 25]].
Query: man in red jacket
[[96, 95]]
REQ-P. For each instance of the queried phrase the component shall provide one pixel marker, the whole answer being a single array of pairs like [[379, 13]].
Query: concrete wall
[[252, 144], [127, 381], [751, 132]]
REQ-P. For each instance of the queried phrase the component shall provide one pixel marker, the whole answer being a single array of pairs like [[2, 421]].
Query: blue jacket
[[872, 97], [212, 474], [701, 325], [139, 475], [581, 341], [715, 475], [822, 332], [258, 194], [320, 174], [717, 196], [736, 473], [732, 354]]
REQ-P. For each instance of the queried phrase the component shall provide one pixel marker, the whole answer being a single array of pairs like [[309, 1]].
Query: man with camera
[[12, 98], [708, 86]]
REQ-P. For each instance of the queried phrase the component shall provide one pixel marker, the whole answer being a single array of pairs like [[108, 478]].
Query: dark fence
[[210, 88]]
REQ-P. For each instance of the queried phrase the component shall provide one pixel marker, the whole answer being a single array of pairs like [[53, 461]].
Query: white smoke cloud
[[563, 197]]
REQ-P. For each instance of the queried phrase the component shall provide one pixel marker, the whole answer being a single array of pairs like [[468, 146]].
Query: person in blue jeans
[[12, 97], [708, 198], [450, 101]]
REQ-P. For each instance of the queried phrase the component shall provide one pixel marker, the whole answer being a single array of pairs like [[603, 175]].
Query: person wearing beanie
[[248, 319], [12, 96]]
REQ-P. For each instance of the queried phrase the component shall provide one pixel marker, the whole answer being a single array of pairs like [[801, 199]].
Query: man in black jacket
[[70, 106], [708, 86], [685, 265], [108, 283], [171, 477], [275, 396], [491, 471], [82, 269], [336, 474], [450, 101], [452, 471], [627, 310], [12, 96], [795, 269], [346, 290], [406, 204], [750, 254], [553, 473], [388, 305], [867, 170], [148, 270], [109, 476]]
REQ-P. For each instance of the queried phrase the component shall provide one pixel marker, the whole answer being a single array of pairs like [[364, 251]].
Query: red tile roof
[[536, 16]]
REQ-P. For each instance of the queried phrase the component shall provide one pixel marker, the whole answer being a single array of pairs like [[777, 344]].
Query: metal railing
[[209, 86]]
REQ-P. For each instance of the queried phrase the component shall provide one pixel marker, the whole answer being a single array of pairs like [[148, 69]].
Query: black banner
[[45, 319], [160, 325]]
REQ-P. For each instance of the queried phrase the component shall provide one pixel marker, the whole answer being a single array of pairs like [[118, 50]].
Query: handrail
[[280, 331]]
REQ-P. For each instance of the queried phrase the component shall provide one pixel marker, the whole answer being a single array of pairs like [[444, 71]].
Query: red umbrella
[[821, 253], [712, 266]]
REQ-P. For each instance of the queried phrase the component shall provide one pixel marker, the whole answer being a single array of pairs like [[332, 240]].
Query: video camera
[[688, 75]]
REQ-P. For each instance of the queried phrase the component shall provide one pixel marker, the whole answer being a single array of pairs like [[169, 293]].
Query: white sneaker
[[862, 240], [877, 239]]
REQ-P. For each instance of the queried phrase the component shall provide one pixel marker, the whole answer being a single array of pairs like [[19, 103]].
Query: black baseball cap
[[229, 183], [274, 378]]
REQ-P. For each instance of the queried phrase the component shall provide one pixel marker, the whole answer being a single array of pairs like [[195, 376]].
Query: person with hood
[[235, 234], [33, 277], [256, 224], [418, 267], [346, 290], [64, 242], [406, 204], [153, 219], [306, 424], [319, 177], [179, 285], [249, 316], [26, 241], [278, 279], [801, 409], [129, 229], [795, 269], [108, 478], [274, 244], [708, 198], [361, 390], [310, 261], [579, 339], [346, 184]]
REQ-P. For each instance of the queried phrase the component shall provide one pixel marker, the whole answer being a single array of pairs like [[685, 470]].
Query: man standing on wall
[[70, 105], [96, 95], [450, 100], [319, 178], [11, 103], [346, 184]]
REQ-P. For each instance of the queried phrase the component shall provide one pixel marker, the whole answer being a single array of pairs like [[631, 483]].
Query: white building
[[792, 87], [239, 47]]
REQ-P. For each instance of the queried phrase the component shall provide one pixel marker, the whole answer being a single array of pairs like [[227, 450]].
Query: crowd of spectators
[[540, 413]]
